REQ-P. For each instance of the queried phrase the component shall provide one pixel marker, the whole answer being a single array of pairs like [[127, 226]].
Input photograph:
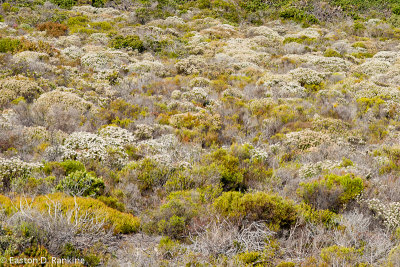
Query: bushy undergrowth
[[197, 133]]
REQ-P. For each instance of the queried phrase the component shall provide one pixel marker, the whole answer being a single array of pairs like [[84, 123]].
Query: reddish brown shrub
[[53, 28]]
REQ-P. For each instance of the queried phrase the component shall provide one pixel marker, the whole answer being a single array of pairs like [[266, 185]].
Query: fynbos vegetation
[[200, 133]]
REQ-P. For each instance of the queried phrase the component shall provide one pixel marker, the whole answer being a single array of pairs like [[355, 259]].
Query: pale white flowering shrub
[[305, 139], [197, 94], [174, 21], [8, 117], [328, 64], [388, 212], [144, 131], [245, 50], [181, 105], [99, 38], [116, 136], [199, 82], [72, 52], [146, 66], [330, 125], [17, 86], [388, 56], [108, 146], [233, 92], [306, 76], [60, 98], [30, 56], [84, 146], [294, 48], [272, 36], [220, 31], [311, 33], [374, 66], [104, 60], [260, 104], [191, 65], [15, 168], [259, 154], [3, 25], [281, 86], [312, 169], [161, 148], [176, 94], [390, 78]]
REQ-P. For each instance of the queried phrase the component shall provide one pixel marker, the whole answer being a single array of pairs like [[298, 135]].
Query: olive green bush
[[273, 209], [81, 183], [332, 191], [132, 42]]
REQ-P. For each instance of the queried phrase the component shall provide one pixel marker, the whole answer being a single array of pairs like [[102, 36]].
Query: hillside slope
[[226, 133]]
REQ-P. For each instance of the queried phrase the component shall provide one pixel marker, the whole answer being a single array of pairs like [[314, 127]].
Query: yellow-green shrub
[[348, 256], [324, 217], [6, 205], [122, 222], [236, 206], [331, 191]]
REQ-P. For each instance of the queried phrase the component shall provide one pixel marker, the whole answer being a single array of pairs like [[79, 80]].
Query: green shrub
[[348, 256], [331, 53], [132, 42], [112, 202], [396, 9], [332, 191], [120, 112], [6, 7], [179, 180], [253, 5], [81, 183], [64, 3], [181, 207], [122, 222], [173, 217], [238, 207], [298, 15], [359, 44], [9, 45], [301, 40], [78, 21], [286, 264], [324, 217], [346, 162], [102, 25], [393, 154], [98, 3], [362, 55], [169, 248], [71, 166], [6, 205], [63, 168], [365, 103], [228, 168], [147, 173]]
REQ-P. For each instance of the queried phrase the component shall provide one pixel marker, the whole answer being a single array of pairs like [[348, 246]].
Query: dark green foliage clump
[[65, 3], [147, 173], [81, 183], [132, 42], [9, 45], [298, 15], [253, 5], [332, 191], [237, 206], [63, 168]]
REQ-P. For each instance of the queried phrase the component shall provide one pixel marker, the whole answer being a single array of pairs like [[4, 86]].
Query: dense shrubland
[[224, 133]]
